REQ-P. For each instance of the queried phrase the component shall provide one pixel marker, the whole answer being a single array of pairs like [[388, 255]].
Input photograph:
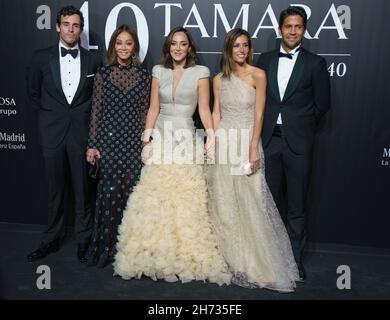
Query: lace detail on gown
[[250, 232]]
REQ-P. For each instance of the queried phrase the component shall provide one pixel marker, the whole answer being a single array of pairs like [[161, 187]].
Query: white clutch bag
[[241, 170], [246, 168]]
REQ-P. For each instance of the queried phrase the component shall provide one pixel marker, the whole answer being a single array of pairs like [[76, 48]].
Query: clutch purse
[[241, 169], [94, 169], [246, 168]]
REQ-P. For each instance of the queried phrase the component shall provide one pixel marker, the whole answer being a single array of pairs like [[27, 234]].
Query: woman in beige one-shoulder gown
[[249, 230]]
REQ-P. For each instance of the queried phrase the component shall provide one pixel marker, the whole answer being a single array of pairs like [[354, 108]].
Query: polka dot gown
[[119, 108]]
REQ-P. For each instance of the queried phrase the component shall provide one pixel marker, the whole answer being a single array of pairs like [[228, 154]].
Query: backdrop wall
[[348, 202]]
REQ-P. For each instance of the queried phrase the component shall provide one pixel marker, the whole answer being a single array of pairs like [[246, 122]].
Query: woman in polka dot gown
[[119, 108]]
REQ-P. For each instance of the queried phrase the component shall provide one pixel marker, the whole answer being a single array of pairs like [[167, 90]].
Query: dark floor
[[370, 275]]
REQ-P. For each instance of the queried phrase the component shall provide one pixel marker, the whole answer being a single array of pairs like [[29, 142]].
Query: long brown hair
[[111, 54], [227, 63], [166, 59]]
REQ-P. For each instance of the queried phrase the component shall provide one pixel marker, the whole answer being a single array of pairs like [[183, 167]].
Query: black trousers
[[287, 175], [56, 163]]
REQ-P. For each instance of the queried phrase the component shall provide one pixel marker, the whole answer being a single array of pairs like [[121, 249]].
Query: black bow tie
[[72, 52], [288, 55], [285, 55]]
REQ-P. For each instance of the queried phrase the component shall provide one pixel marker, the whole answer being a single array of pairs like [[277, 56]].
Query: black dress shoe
[[82, 249], [302, 273], [43, 250]]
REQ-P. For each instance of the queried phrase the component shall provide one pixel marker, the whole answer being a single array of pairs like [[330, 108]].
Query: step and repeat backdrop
[[350, 187]]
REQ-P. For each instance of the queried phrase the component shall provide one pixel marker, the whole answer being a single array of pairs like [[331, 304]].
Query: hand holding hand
[[209, 148]]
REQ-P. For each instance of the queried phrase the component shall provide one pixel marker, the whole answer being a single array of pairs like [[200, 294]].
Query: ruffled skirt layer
[[166, 231]]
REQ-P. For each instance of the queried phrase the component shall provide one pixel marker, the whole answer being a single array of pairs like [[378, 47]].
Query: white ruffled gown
[[166, 232]]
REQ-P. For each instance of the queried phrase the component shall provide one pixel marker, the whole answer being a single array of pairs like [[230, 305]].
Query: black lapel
[[56, 71], [273, 76], [296, 75], [84, 61]]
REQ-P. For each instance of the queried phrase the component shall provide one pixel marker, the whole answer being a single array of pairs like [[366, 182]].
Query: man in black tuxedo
[[60, 82], [298, 95]]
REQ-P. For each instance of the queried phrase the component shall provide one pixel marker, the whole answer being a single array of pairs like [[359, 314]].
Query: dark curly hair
[[293, 11], [69, 11]]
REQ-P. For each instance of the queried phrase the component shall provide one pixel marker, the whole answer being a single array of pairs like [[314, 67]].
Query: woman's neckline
[[242, 80]]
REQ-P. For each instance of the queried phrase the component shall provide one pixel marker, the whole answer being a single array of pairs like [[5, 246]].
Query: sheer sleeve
[[97, 111]]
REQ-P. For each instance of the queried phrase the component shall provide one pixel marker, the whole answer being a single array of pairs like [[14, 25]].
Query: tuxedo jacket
[[56, 117], [306, 99]]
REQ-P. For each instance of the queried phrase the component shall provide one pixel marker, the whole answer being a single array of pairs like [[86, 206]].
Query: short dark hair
[[69, 11], [293, 11], [166, 59]]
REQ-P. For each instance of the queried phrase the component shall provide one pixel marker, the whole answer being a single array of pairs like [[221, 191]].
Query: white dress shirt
[[285, 70], [70, 73]]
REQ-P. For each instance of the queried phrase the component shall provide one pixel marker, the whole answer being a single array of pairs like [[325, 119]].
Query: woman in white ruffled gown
[[249, 230], [166, 231]]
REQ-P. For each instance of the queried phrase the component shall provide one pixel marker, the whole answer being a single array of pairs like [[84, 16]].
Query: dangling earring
[[133, 58]]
